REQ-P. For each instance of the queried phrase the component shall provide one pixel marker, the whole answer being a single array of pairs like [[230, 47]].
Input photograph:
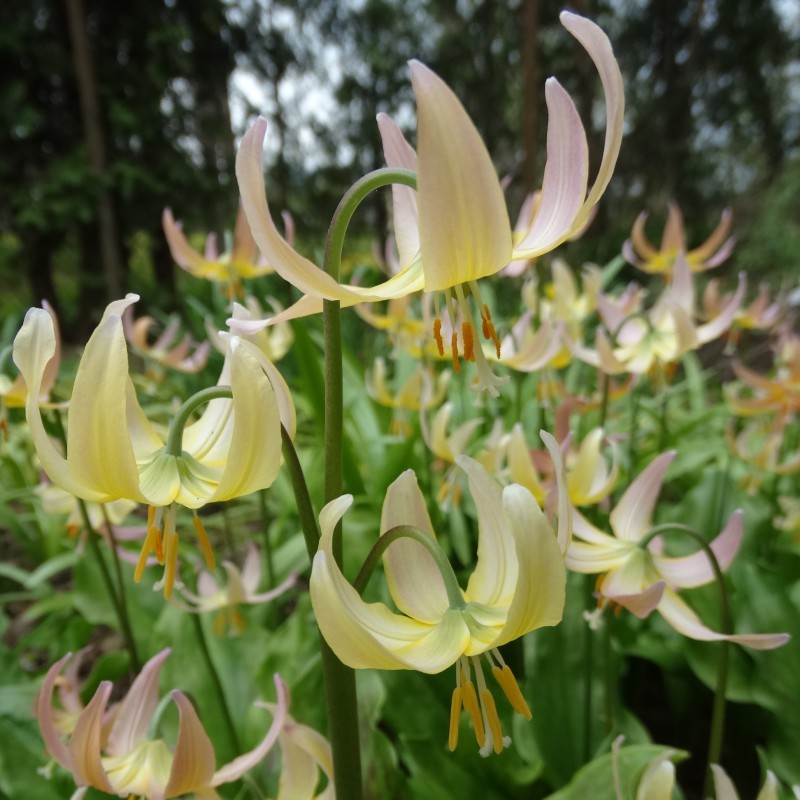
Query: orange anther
[[437, 334], [468, 336], [454, 349], [488, 329]]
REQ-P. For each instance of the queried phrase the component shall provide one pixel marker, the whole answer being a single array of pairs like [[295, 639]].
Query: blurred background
[[110, 113]]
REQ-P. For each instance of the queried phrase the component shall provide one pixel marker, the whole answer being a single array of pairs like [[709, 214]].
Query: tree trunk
[[531, 86]]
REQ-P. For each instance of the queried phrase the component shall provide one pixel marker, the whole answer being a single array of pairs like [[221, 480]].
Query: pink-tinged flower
[[760, 315], [241, 263], [642, 254], [447, 246], [642, 579], [121, 760], [184, 356], [760, 394], [636, 341], [588, 476], [241, 588]]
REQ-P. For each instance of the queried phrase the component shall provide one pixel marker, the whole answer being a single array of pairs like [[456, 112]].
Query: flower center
[[459, 314], [162, 540], [479, 703]]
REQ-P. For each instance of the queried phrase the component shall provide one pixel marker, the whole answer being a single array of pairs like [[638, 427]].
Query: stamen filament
[[454, 350]]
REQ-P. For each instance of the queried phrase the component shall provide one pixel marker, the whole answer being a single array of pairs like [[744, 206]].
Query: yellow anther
[[152, 541], [73, 530], [437, 334], [171, 562], [205, 545], [468, 337], [508, 683], [494, 721], [470, 699], [455, 716], [454, 349]]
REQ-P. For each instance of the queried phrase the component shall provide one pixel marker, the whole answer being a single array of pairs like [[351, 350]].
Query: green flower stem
[[262, 505], [305, 509], [454, 595], [117, 600], [174, 445], [340, 686], [604, 392], [718, 710], [588, 675], [217, 683]]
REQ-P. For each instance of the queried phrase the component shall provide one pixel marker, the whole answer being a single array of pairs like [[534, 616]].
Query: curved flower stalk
[[642, 579], [589, 478], [518, 585], [642, 254], [241, 588], [446, 246], [725, 790], [122, 761], [274, 342], [240, 263], [184, 356], [113, 451]]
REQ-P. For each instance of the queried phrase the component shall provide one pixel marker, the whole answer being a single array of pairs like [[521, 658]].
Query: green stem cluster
[[717, 731]]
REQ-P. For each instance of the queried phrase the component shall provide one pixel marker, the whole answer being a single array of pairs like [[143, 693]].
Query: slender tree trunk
[[92, 122], [531, 87]]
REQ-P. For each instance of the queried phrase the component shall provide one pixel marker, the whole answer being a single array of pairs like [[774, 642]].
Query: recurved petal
[[287, 262], [99, 449], [632, 517], [521, 467], [538, 598], [193, 763], [494, 579], [44, 714], [678, 614], [414, 580], [84, 744], [184, 254], [465, 233], [695, 570], [304, 753], [254, 452], [714, 242], [674, 237], [136, 710], [565, 176], [369, 634], [34, 347], [236, 768], [399, 153], [599, 49], [717, 326]]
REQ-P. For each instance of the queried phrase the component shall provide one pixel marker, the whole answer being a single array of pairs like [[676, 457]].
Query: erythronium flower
[[121, 760], [240, 589], [642, 254], [725, 790], [589, 478], [241, 262], [447, 246], [114, 452], [761, 314], [518, 585], [304, 753], [642, 579], [273, 342], [779, 394], [185, 356]]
